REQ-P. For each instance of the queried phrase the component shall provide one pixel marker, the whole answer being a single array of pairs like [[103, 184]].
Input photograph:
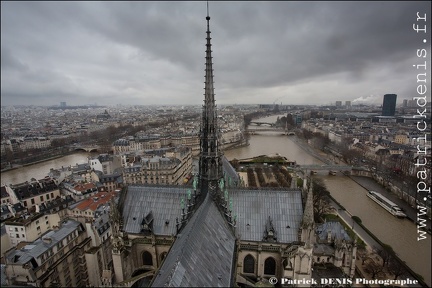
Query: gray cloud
[[153, 52]]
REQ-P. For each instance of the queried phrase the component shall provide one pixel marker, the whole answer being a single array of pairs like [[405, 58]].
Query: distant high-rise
[[389, 105], [62, 104], [338, 103], [348, 104]]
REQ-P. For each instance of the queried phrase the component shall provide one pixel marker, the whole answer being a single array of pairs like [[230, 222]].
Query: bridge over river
[[327, 167], [254, 131], [345, 169], [262, 123], [89, 148]]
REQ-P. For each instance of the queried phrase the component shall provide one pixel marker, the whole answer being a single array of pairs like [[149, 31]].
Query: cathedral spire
[[308, 223], [210, 163]]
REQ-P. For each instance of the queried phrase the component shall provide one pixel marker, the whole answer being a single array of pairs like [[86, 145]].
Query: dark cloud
[[153, 52], [9, 62]]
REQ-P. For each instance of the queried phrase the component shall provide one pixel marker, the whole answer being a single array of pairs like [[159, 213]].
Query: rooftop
[[253, 208], [162, 201], [94, 202], [203, 253], [335, 228], [38, 247]]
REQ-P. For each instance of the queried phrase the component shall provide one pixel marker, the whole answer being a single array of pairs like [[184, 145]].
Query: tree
[[395, 267], [290, 120], [8, 155], [235, 163], [363, 254], [350, 154], [373, 268], [321, 202], [356, 219], [307, 134], [60, 142], [385, 253]]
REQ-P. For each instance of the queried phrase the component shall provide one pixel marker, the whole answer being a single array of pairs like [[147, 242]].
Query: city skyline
[[145, 53]]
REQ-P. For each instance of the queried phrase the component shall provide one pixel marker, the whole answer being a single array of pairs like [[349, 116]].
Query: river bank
[[369, 183], [37, 162], [391, 191]]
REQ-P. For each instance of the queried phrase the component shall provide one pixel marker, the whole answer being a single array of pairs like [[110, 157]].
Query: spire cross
[[208, 19]]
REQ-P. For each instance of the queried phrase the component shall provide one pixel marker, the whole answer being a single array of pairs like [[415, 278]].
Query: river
[[400, 234], [40, 170]]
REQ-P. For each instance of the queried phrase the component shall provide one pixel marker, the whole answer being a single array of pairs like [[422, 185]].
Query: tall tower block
[[389, 105]]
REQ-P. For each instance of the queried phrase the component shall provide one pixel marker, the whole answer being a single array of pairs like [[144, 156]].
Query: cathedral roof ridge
[[205, 233]]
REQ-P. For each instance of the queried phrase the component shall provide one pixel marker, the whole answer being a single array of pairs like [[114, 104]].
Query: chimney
[[47, 240]]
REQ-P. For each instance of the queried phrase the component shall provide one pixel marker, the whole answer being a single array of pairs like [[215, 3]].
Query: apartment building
[[86, 210], [83, 173], [105, 163], [56, 258], [159, 170], [93, 213], [152, 142], [35, 143], [29, 227], [109, 182], [401, 139], [11, 210], [23, 144], [5, 197], [33, 193], [79, 191], [99, 257]]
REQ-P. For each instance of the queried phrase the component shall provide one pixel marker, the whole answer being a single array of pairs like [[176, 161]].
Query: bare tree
[[321, 202], [363, 254], [384, 253], [395, 267], [373, 268]]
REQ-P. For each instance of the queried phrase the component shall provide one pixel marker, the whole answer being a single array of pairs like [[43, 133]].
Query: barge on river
[[386, 204]]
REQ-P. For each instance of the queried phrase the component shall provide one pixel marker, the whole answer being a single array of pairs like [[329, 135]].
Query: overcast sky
[[145, 53]]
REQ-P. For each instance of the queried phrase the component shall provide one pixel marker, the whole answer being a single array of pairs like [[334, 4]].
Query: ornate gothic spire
[[210, 163], [308, 223]]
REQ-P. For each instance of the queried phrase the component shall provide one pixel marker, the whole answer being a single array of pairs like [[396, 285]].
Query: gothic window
[[270, 266], [249, 264], [147, 258]]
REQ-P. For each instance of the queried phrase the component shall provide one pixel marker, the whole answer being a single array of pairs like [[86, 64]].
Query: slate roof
[[102, 222], [3, 192], [230, 171], [26, 190], [203, 253], [336, 229], [323, 249], [3, 275], [253, 207], [38, 247], [18, 209], [163, 201], [56, 204]]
